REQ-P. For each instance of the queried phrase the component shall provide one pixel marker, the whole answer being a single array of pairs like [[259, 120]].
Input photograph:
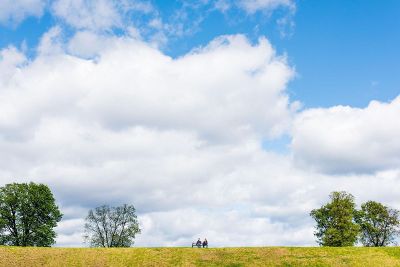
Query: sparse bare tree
[[111, 226]]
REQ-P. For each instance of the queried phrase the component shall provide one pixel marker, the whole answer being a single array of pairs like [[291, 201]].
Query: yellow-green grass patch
[[246, 256]]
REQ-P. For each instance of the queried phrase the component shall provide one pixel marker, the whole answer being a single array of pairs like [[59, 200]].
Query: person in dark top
[[198, 243], [205, 243]]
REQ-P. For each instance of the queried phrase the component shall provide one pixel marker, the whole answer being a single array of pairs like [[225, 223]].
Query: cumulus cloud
[[127, 123], [343, 139], [14, 11]]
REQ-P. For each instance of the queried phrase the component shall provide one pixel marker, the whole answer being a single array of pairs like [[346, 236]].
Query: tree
[[111, 226], [28, 214], [335, 221], [379, 224]]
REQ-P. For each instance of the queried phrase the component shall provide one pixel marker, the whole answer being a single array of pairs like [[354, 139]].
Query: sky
[[223, 119]]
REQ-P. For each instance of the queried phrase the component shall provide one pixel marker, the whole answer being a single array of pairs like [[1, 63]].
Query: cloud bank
[[349, 140], [112, 119], [130, 124]]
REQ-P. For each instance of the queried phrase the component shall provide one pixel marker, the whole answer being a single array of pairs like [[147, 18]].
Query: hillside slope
[[268, 256]]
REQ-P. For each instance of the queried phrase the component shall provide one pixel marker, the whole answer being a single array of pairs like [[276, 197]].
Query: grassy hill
[[268, 256]]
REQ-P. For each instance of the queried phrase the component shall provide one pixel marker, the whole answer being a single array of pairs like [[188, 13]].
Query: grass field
[[268, 256]]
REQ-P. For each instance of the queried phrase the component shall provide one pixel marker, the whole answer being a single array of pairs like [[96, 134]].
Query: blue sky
[[223, 119], [343, 53]]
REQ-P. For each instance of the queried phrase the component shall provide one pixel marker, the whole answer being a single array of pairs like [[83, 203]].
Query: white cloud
[[222, 5], [84, 14], [252, 6], [11, 60], [222, 228], [343, 139], [98, 14], [14, 11], [105, 16], [127, 123], [186, 93]]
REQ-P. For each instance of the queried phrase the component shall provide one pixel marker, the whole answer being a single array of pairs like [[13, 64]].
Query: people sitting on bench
[[200, 244], [205, 243], [197, 244]]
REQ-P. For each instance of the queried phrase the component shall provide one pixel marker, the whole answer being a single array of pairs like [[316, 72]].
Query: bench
[[194, 244]]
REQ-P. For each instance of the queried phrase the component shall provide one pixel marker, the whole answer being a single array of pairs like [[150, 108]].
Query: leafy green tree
[[379, 224], [28, 214], [111, 226], [335, 221]]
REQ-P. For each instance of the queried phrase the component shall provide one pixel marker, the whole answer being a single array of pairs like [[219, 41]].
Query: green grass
[[265, 256]]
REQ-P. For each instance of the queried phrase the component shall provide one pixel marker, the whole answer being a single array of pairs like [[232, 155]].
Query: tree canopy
[[111, 226], [379, 224], [28, 215], [335, 221]]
